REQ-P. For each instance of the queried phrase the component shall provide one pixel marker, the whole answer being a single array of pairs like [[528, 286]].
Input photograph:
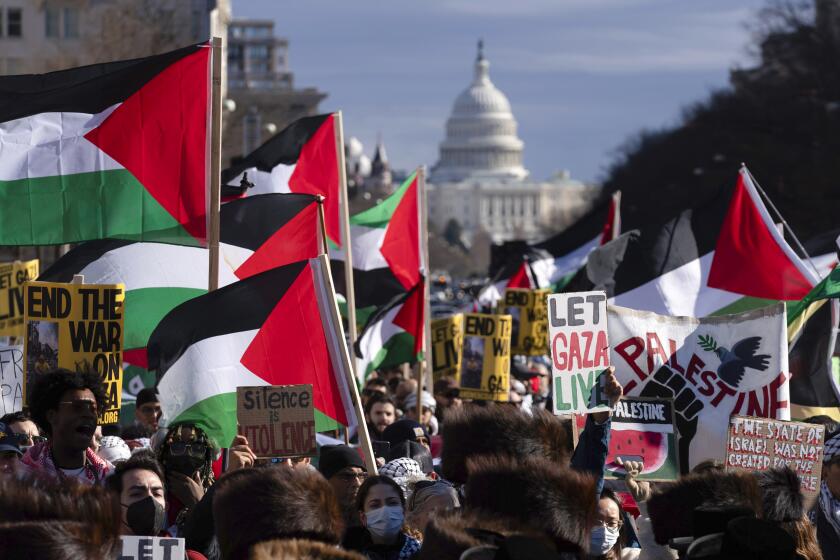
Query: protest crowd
[[223, 364]]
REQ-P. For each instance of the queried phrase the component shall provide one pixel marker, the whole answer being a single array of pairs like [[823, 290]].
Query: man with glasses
[[344, 469], [66, 405], [20, 426]]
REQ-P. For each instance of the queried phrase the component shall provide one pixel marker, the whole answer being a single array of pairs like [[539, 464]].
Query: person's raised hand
[[188, 490], [613, 391], [639, 489], [240, 455]]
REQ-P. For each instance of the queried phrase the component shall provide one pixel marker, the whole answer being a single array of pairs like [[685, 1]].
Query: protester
[[447, 395], [21, 425], [405, 388], [380, 412], [187, 456], [66, 405], [383, 535], [403, 471], [826, 513], [113, 449], [426, 416], [345, 471], [608, 537], [428, 499], [137, 484], [147, 410], [784, 505], [414, 450], [10, 452], [374, 386]]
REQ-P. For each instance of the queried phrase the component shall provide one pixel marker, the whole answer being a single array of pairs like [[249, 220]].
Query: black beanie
[[404, 430], [149, 394], [336, 457]]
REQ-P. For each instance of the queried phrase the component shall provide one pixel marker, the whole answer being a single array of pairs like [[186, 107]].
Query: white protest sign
[[580, 350], [152, 548], [11, 379]]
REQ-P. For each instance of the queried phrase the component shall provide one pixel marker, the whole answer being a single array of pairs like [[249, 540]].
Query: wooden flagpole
[[344, 356], [215, 163], [346, 241], [425, 369]]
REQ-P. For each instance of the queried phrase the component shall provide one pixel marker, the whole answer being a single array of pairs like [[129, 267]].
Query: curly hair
[[206, 470], [49, 387]]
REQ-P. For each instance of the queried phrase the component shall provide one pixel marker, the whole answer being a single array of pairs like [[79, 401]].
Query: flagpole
[[425, 369], [215, 163], [350, 379], [346, 241], [322, 222]]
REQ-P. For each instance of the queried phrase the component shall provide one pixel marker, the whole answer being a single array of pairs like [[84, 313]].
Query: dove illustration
[[743, 355]]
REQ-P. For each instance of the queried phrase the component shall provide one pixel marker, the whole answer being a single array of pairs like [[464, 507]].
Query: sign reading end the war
[[485, 364]]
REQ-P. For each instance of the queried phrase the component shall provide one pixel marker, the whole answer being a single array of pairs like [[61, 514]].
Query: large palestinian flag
[[278, 327], [552, 262], [386, 250], [702, 262], [114, 150], [301, 158], [257, 233]]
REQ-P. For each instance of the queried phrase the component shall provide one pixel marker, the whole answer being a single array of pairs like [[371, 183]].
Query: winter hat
[[404, 430], [149, 394], [428, 401], [832, 449], [113, 449], [336, 457], [782, 499], [412, 450], [402, 471]]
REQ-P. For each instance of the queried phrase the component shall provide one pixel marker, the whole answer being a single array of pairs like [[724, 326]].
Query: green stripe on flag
[[395, 351], [84, 206], [144, 308], [743, 304], [380, 215]]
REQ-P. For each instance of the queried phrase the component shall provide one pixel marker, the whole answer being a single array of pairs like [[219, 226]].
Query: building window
[[235, 61], [258, 58], [14, 22], [51, 15], [71, 23], [251, 136]]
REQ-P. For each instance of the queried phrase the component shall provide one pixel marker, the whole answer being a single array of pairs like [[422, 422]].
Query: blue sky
[[582, 75]]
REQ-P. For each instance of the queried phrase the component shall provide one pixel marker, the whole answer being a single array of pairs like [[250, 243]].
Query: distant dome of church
[[481, 140]]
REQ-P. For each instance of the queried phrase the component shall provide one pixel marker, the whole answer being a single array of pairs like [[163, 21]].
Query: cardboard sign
[[11, 379], [12, 277], [760, 444], [642, 430], [579, 349], [74, 326], [485, 363], [278, 420], [529, 312], [152, 548], [447, 342]]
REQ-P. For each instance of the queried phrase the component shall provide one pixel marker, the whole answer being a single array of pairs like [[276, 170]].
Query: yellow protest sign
[[485, 363], [74, 326], [529, 313], [447, 340], [12, 277]]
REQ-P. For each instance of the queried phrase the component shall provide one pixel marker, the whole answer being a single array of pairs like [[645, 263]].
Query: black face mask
[[146, 517], [184, 464]]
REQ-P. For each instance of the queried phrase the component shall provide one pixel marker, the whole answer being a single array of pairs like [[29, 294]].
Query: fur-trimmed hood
[[496, 430], [782, 499], [298, 549]]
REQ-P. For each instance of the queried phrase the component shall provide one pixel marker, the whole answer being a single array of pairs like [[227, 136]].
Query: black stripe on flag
[[80, 256], [241, 306], [250, 222], [86, 89], [810, 362], [371, 287]]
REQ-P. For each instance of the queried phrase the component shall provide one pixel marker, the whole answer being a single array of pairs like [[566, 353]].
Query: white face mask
[[385, 522], [602, 540]]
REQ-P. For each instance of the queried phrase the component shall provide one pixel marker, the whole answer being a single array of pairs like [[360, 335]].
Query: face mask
[[385, 522], [146, 517], [602, 540], [185, 464]]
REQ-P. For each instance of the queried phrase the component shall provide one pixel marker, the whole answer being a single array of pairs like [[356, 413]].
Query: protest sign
[[278, 420], [712, 367], [642, 430], [579, 348], [12, 277], [152, 548], [485, 364], [760, 444], [529, 314], [74, 326], [11, 378], [447, 342]]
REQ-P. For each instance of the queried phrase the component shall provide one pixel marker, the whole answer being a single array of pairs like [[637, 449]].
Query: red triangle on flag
[[751, 257], [520, 278], [401, 245], [159, 134], [291, 347], [411, 315]]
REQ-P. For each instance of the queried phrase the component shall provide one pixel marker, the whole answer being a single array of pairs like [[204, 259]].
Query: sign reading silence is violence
[[76, 326], [277, 420]]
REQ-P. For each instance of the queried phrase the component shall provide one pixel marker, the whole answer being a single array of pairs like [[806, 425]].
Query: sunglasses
[[26, 439], [453, 394], [80, 406], [371, 392], [181, 448]]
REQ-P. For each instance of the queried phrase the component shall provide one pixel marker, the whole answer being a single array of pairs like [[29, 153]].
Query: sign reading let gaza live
[[579, 348], [13, 275], [278, 420], [76, 326]]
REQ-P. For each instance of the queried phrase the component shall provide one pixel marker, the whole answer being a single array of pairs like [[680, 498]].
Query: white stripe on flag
[[552, 269], [276, 181]]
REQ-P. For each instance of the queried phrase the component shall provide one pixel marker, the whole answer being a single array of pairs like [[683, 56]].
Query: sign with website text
[[152, 548], [277, 420], [12, 277], [485, 363], [11, 379], [447, 343], [529, 314], [579, 349], [76, 326], [760, 444]]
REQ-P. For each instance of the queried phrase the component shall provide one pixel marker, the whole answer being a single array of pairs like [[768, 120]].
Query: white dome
[[481, 140]]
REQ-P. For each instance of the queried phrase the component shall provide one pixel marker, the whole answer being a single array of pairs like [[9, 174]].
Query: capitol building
[[480, 181]]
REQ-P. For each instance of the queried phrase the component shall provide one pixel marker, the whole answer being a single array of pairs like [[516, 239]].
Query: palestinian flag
[[257, 233], [702, 262], [301, 158], [551, 263], [115, 150], [393, 335], [279, 327], [386, 250]]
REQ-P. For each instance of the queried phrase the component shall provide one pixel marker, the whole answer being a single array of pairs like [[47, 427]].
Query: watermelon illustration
[[633, 445]]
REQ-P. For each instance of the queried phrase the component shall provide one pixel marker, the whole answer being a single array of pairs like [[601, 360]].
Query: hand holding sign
[[240, 455], [612, 391]]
